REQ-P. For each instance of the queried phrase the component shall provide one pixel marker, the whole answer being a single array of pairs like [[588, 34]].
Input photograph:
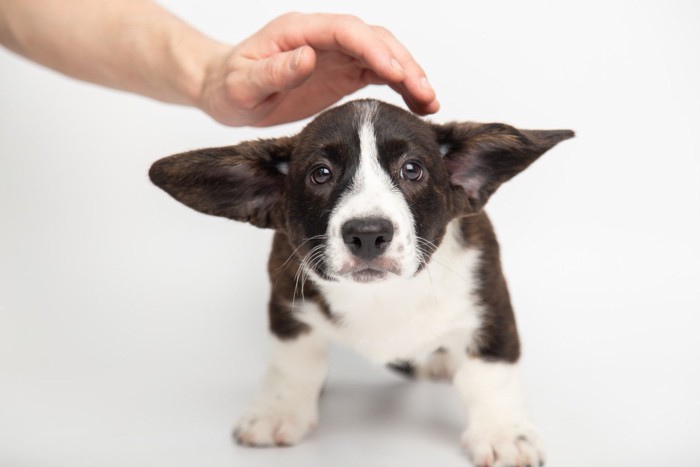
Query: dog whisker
[[315, 259], [432, 285], [296, 279], [302, 274], [424, 246], [288, 261], [315, 237]]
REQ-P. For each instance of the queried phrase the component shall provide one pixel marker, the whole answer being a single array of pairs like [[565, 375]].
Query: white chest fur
[[406, 318]]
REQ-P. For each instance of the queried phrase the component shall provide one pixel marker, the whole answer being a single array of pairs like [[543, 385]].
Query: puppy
[[381, 243]]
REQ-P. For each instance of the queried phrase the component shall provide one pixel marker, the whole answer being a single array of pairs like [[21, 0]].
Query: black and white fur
[[381, 244]]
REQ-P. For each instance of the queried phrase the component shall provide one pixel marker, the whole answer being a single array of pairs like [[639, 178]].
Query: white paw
[[276, 424], [511, 445]]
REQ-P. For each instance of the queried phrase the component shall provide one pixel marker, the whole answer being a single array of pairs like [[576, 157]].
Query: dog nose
[[367, 238]]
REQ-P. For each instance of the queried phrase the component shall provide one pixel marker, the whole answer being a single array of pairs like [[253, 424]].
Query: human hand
[[299, 64]]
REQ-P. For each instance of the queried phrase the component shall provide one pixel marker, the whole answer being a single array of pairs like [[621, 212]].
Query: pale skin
[[295, 66]]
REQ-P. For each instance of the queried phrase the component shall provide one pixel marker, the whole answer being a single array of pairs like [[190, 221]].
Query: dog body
[[381, 244]]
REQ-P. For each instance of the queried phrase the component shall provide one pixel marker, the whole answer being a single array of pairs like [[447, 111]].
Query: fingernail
[[424, 83], [396, 65]]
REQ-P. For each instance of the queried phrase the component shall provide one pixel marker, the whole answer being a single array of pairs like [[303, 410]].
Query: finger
[[415, 88], [413, 105], [344, 33], [370, 77], [279, 72]]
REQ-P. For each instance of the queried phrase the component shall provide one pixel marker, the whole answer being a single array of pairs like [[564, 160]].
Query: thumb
[[282, 71]]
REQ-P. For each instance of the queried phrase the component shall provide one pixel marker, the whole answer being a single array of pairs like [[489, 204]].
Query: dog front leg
[[286, 407], [499, 433]]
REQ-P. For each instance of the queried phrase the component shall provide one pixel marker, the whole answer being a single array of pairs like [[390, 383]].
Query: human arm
[[292, 68]]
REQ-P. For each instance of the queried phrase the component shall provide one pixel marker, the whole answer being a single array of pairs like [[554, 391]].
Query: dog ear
[[243, 182], [481, 156]]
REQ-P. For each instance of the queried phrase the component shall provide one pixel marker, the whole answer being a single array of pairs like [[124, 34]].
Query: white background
[[132, 329]]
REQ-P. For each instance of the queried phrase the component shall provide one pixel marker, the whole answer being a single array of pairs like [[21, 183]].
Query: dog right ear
[[243, 182], [479, 157]]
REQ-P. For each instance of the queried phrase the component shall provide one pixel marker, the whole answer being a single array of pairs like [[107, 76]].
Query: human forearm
[[295, 66], [134, 45]]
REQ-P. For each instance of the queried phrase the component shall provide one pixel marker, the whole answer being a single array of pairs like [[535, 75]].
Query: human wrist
[[190, 55]]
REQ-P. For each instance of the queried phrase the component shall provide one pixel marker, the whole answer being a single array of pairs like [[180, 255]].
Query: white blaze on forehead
[[372, 194], [370, 179]]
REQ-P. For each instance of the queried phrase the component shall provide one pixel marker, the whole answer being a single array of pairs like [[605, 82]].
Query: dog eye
[[411, 171], [321, 175]]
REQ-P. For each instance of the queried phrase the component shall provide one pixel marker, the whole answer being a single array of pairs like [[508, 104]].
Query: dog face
[[379, 191], [364, 193]]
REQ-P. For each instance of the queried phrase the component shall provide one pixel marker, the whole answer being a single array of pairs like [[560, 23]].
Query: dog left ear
[[481, 156], [243, 182]]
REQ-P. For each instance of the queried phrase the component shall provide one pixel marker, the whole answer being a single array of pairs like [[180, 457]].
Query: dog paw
[[274, 425], [512, 446]]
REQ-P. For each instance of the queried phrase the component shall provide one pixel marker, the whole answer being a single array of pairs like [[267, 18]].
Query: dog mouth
[[370, 271], [368, 275]]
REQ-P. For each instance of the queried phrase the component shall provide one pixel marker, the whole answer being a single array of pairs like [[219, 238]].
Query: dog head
[[365, 192]]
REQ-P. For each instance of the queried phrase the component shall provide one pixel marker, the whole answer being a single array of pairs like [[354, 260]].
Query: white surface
[[132, 329]]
